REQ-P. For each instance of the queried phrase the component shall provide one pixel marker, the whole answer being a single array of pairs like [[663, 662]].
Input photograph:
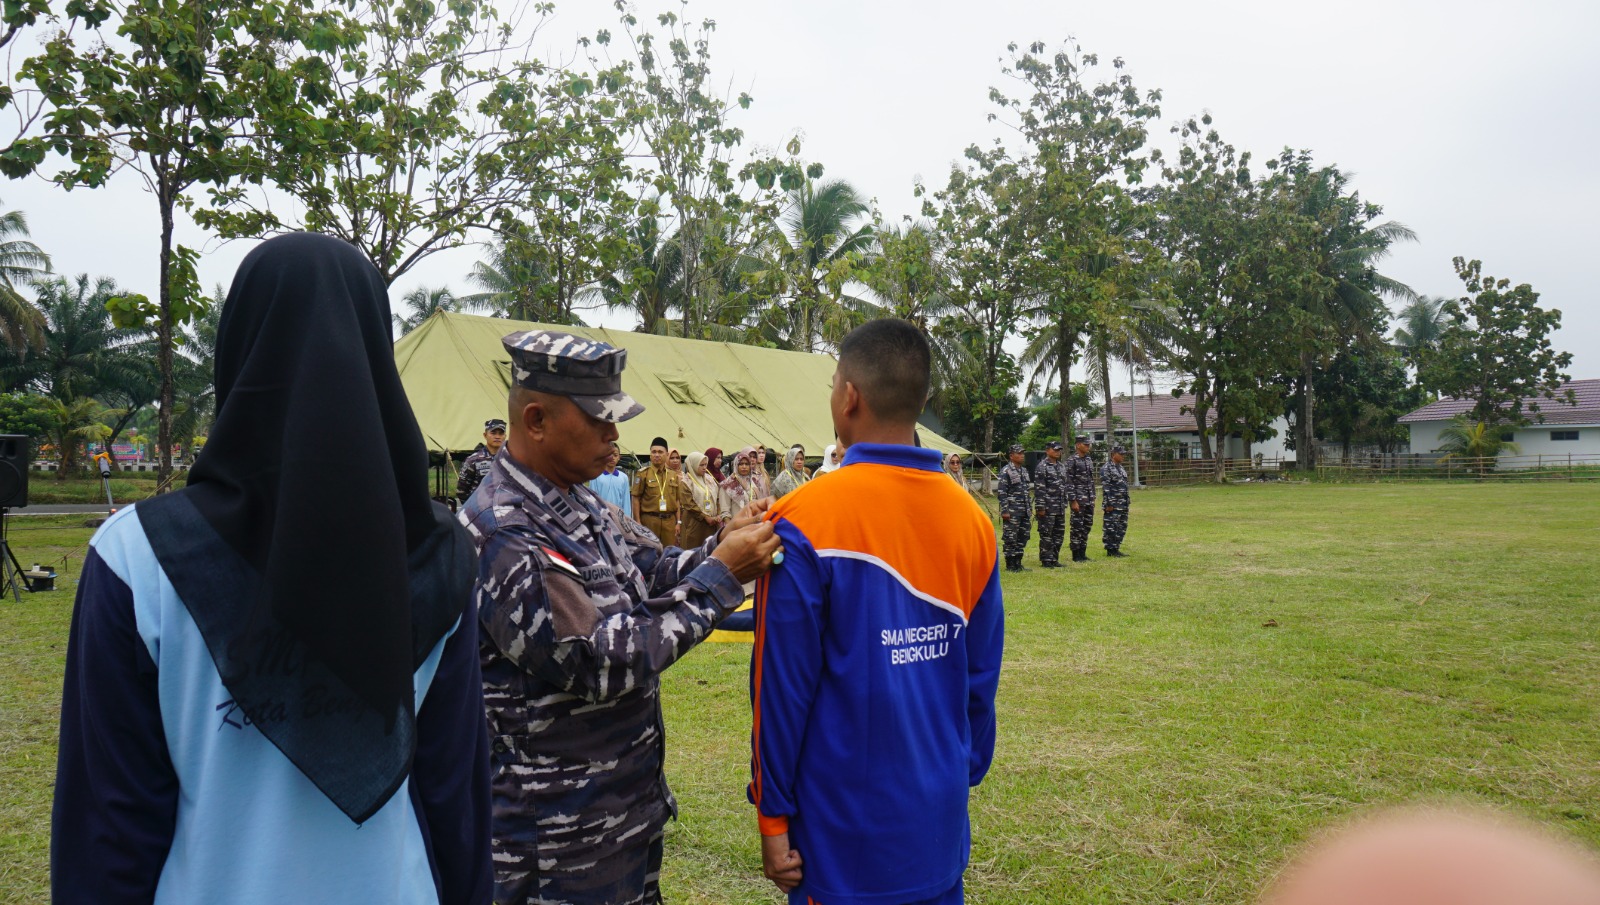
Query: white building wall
[[1533, 440]]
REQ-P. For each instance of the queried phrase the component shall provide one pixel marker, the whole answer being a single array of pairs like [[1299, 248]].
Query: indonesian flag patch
[[561, 562]]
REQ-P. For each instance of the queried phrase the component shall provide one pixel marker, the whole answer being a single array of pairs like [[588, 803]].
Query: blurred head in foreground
[[1439, 857]]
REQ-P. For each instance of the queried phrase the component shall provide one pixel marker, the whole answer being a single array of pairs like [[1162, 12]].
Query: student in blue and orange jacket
[[877, 654]]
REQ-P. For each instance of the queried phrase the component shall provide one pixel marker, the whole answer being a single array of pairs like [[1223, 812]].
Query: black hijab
[[305, 546]]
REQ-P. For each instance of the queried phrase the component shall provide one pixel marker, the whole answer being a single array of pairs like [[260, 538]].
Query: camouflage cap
[[494, 424], [1082, 438], [1017, 448], [1053, 444], [1118, 449], [586, 371]]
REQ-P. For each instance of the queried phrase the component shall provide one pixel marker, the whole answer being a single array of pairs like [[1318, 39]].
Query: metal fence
[[1432, 466]]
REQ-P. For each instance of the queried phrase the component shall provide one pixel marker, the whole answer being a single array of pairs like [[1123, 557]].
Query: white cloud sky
[[1472, 122]]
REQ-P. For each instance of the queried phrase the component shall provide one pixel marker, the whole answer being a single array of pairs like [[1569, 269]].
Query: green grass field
[[1159, 740]]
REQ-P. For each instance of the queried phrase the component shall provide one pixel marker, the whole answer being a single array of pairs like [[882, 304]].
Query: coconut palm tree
[[1420, 324], [424, 302], [911, 282], [1344, 305], [1475, 441], [814, 251], [514, 284], [21, 262], [74, 423], [81, 351]]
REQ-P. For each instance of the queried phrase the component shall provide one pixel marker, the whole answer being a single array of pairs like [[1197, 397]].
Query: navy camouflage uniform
[[1050, 503], [1013, 490], [1080, 490], [1114, 492], [477, 463], [582, 609]]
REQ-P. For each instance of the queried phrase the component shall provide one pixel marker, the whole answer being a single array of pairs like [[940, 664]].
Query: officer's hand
[[753, 512], [1005, 516], [1038, 513], [779, 862], [1074, 505], [747, 551]]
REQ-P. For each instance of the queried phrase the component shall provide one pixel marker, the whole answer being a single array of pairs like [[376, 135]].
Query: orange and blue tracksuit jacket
[[877, 656]]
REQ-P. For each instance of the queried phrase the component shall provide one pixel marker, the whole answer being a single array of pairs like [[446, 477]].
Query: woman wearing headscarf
[[704, 516], [952, 467], [715, 464], [740, 487], [794, 472], [830, 460], [265, 701]]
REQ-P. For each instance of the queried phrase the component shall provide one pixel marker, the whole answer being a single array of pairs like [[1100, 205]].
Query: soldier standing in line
[[581, 610], [656, 492], [1050, 504], [1013, 491], [1080, 495], [477, 464], [1114, 492]]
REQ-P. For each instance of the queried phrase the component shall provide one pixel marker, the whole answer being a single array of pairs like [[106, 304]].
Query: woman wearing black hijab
[[272, 693]]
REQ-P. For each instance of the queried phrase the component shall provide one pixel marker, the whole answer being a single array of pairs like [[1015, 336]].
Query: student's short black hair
[[659, 441], [888, 360]]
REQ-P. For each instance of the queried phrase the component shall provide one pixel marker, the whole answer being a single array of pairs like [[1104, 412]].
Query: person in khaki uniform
[[656, 492]]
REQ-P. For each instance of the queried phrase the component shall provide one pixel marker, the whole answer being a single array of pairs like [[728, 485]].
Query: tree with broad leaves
[[987, 221], [712, 207], [1495, 351], [182, 96], [1230, 272], [1085, 141]]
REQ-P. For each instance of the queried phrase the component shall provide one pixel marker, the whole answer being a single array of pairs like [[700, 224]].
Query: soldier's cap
[[586, 371], [1118, 449], [1053, 444], [1082, 438], [494, 424], [1016, 448]]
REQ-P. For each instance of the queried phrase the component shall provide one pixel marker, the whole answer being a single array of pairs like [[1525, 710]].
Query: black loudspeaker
[[15, 453]]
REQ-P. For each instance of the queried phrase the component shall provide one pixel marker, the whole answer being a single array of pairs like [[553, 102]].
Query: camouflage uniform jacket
[[473, 469], [1013, 489], [1114, 486], [1050, 485], [1080, 480], [581, 610]]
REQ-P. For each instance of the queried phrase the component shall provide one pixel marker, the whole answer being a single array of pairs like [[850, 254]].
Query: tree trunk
[[164, 349], [1105, 391], [1308, 436], [988, 445], [122, 425], [1064, 366]]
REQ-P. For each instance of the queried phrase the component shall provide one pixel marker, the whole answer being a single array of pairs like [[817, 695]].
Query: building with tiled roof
[[1557, 428], [1164, 413]]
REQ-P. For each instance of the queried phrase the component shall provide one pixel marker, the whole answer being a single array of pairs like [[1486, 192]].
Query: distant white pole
[[1133, 419]]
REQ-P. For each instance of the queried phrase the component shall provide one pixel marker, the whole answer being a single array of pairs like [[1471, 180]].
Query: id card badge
[[662, 503]]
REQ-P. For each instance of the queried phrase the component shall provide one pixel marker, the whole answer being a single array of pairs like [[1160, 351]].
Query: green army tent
[[695, 393]]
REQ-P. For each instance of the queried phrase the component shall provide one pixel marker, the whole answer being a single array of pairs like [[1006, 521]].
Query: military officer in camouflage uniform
[[1013, 491], [1050, 504], [581, 609], [477, 464], [1114, 494], [1080, 496]]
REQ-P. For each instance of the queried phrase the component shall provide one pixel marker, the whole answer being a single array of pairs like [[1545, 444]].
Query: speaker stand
[[11, 578]]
